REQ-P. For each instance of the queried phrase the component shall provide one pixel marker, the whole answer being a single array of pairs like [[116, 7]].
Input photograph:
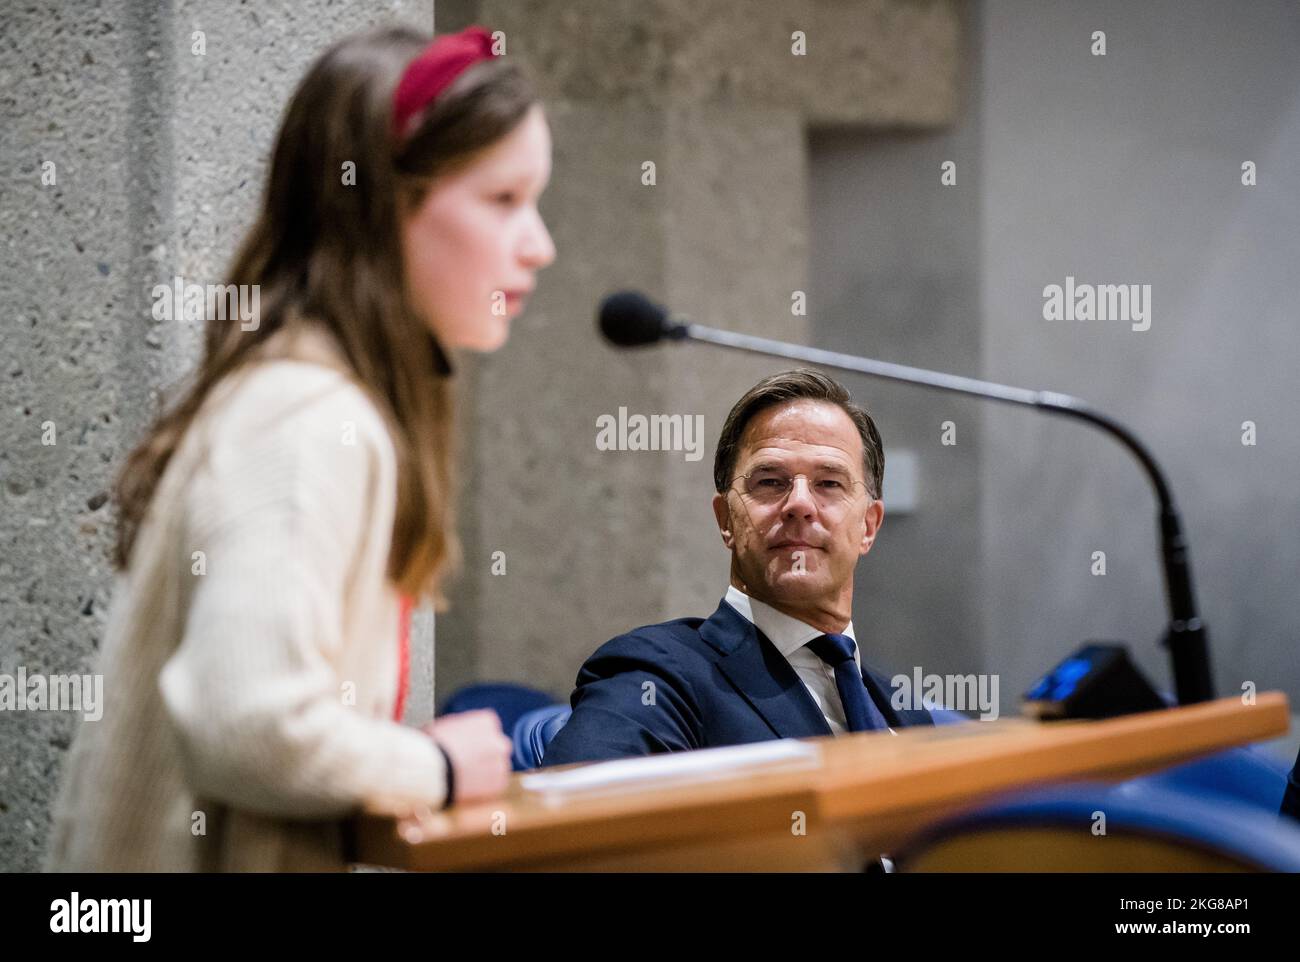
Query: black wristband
[[451, 778]]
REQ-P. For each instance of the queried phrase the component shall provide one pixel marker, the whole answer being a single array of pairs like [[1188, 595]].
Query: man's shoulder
[[678, 633], [674, 644]]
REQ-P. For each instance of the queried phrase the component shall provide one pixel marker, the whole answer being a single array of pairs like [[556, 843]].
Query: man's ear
[[871, 523], [722, 513]]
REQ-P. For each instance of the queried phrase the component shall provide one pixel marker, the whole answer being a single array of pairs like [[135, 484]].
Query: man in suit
[[798, 474]]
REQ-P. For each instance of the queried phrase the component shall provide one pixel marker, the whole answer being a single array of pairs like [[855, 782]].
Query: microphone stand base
[[1098, 681]]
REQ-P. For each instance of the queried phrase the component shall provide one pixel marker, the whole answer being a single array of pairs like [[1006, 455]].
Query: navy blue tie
[[859, 710]]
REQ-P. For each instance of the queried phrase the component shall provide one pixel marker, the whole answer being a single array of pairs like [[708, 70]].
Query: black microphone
[[630, 319]]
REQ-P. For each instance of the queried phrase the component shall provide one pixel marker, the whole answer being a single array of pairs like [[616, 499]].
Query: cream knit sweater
[[251, 659]]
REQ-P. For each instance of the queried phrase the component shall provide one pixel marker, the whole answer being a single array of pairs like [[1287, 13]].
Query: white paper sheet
[[673, 767]]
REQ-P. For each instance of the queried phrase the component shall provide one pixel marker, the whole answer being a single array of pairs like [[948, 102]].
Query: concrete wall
[[159, 155], [895, 276], [1117, 169], [1127, 169]]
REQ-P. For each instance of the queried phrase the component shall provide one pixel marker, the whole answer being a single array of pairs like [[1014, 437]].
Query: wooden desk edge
[[832, 795]]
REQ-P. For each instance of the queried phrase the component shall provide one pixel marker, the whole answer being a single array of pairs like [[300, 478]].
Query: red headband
[[434, 69]]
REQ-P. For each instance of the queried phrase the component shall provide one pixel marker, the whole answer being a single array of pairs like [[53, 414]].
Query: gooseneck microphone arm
[[1186, 637]]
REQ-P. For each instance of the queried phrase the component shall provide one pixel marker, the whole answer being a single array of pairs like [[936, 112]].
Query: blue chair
[[513, 704], [1156, 827], [533, 732], [949, 716], [1246, 774]]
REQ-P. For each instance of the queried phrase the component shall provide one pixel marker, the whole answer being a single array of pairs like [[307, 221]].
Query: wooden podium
[[862, 795]]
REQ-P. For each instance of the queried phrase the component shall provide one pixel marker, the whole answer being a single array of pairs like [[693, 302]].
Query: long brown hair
[[327, 254]]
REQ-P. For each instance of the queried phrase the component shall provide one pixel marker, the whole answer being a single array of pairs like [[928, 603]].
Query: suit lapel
[[762, 675], [878, 689], [880, 695]]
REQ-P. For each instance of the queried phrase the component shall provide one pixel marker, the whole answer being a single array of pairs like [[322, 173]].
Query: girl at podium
[[279, 521]]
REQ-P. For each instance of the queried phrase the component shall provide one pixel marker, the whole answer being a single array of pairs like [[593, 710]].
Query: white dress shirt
[[791, 637]]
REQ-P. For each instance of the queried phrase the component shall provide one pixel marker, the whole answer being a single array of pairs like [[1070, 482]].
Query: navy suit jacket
[[695, 683]]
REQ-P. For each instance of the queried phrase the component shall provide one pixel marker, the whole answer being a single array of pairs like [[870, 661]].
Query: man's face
[[798, 514]]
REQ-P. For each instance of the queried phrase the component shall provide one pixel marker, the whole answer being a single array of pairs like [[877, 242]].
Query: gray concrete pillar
[[158, 155]]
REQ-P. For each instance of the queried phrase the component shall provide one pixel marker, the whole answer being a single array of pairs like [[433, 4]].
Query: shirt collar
[[786, 633]]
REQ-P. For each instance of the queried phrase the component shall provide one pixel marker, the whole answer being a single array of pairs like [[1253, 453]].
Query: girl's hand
[[479, 752]]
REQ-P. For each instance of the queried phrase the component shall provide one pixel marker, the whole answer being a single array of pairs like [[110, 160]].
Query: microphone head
[[630, 319]]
